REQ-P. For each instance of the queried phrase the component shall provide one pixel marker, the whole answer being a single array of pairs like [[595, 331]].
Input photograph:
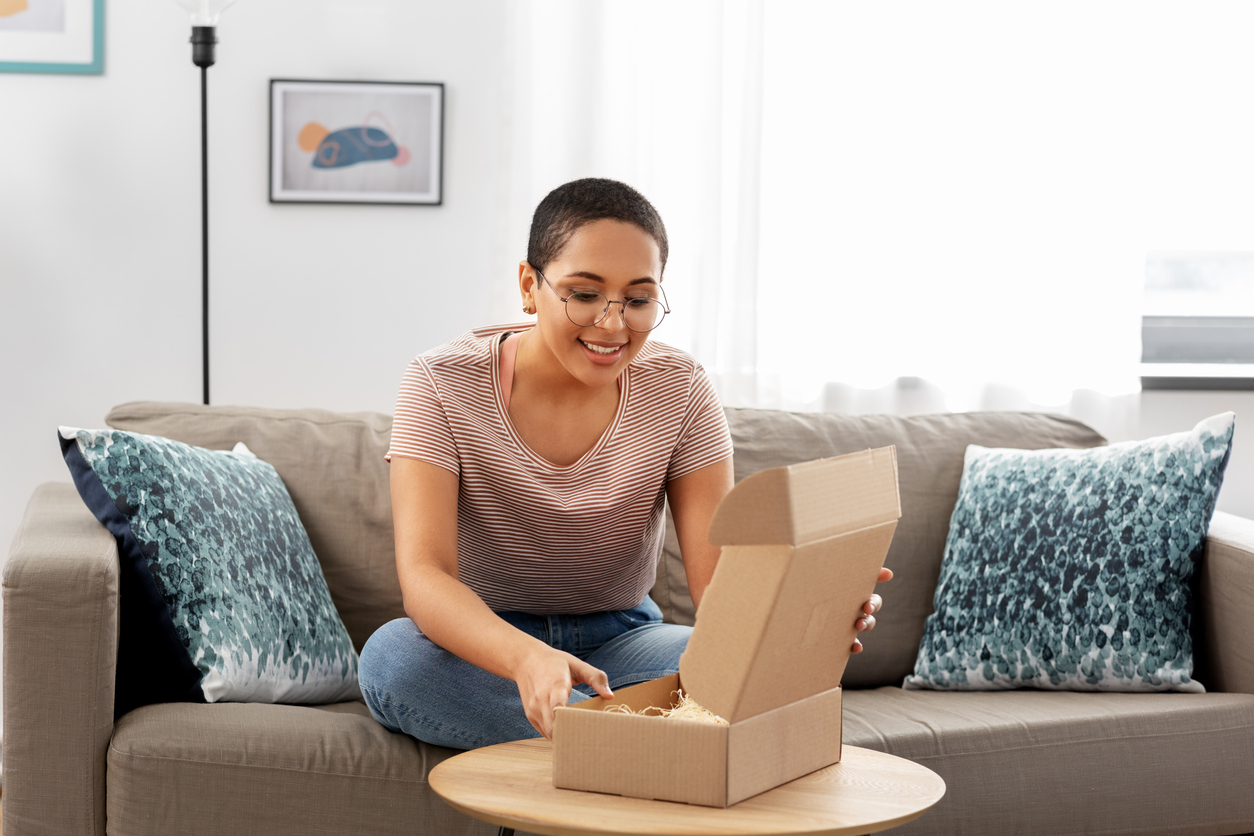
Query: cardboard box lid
[[810, 501], [802, 547]]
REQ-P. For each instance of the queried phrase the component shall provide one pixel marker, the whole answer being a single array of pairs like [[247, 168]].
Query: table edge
[[550, 829]]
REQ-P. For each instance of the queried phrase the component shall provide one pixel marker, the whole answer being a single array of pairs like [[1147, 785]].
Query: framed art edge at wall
[[376, 142], [52, 36]]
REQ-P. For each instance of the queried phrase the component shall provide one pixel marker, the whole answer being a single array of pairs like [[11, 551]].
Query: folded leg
[[414, 686]]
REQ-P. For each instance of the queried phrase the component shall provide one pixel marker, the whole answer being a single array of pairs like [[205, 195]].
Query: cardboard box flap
[[810, 501], [776, 623]]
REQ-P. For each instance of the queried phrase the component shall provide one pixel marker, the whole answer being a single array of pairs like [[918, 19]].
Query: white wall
[[311, 305]]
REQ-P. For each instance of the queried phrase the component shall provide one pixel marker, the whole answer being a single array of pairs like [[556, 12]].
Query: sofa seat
[[250, 768], [1049, 762], [1009, 755]]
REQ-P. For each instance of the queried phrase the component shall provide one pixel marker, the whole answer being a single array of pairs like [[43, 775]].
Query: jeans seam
[[372, 699], [400, 709], [630, 622], [435, 725]]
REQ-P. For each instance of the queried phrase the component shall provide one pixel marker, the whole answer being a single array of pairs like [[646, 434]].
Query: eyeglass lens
[[639, 314]]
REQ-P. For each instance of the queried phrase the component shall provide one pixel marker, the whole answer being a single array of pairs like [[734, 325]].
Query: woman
[[529, 466]]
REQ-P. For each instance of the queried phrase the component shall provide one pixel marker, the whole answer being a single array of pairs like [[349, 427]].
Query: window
[[1197, 331]]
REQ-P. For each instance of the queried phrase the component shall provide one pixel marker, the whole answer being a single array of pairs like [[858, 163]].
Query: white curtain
[[665, 96], [888, 207]]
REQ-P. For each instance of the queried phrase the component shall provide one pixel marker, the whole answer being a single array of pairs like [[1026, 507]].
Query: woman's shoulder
[[471, 349], [662, 362]]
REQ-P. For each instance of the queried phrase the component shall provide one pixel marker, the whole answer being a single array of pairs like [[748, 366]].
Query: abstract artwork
[[356, 142], [52, 36]]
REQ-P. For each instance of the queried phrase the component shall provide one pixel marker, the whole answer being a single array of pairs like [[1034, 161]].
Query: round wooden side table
[[510, 785]]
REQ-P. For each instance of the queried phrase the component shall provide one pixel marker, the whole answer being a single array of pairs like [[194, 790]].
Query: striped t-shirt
[[538, 538]]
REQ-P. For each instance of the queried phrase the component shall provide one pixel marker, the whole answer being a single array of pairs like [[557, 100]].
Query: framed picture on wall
[[52, 36], [356, 142]]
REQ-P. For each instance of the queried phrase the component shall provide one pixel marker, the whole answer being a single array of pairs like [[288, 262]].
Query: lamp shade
[[205, 12]]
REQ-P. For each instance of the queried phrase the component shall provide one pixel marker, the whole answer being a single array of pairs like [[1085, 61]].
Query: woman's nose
[[620, 315]]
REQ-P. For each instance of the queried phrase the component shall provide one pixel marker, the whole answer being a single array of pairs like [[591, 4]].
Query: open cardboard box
[[802, 547]]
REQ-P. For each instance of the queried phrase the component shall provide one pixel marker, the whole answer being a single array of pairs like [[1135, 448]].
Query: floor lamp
[[205, 14]]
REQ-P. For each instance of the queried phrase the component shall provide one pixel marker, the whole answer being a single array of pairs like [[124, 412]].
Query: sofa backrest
[[332, 464], [930, 450]]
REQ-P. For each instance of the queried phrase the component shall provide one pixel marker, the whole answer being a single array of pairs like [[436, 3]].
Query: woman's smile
[[603, 353]]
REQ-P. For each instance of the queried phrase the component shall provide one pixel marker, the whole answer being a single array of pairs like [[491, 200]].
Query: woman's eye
[[640, 302], [584, 296]]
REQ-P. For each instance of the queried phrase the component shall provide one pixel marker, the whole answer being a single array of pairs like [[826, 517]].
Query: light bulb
[[205, 12]]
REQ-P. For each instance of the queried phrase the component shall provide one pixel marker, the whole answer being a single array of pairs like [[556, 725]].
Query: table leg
[[505, 831]]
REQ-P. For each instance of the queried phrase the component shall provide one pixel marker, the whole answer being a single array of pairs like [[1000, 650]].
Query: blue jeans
[[412, 685]]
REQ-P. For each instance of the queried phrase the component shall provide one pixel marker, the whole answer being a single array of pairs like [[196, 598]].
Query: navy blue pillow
[[153, 665]]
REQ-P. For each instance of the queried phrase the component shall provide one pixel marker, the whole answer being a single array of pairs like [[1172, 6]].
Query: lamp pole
[[203, 41], [205, 14]]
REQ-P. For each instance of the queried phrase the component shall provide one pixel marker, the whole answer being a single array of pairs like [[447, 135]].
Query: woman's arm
[[424, 515], [693, 498]]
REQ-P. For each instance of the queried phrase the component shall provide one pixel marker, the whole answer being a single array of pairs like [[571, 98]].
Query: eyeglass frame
[[664, 302]]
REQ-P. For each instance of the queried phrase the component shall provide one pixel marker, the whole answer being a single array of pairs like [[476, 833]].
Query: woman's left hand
[[869, 609]]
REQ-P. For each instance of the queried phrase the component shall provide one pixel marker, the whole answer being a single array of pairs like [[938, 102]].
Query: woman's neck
[[557, 416], [543, 379]]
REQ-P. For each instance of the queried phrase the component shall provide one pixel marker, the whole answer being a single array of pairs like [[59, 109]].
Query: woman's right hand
[[545, 680]]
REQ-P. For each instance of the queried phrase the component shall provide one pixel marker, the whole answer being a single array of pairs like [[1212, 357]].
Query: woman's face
[[619, 260]]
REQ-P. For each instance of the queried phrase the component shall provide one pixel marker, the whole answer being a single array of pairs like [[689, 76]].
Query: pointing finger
[[596, 678]]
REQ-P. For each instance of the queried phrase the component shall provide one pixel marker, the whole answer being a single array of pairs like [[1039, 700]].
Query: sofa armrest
[[1225, 606], [60, 656]]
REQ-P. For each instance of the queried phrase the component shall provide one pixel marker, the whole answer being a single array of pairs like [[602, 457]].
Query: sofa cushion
[[273, 769], [332, 464], [222, 596], [1051, 762], [929, 456], [1071, 568]]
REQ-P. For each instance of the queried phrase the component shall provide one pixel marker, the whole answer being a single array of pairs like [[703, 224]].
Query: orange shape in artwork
[[309, 136], [12, 7]]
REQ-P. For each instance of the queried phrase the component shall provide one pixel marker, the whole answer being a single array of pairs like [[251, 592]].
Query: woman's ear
[[527, 286]]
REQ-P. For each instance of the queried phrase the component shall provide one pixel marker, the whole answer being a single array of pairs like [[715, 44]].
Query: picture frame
[[52, 36], [376, 142]]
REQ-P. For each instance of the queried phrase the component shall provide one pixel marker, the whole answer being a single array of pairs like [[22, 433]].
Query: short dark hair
[[580, 202]]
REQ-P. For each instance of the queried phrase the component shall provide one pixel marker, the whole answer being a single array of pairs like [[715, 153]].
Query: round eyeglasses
[[587, 307]]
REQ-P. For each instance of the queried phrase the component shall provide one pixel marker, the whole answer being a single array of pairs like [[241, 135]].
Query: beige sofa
[[1014, 762]]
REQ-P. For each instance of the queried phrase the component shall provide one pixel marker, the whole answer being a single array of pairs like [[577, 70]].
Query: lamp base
[[203, 41]]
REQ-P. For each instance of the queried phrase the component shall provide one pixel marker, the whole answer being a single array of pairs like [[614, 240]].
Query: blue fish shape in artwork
[[349, 146]]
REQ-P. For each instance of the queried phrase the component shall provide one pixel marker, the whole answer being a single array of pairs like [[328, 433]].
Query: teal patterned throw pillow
[[222, 597], [1070, 569]]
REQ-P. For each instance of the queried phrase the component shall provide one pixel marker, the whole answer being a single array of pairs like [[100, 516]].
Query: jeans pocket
[[645, 614]]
